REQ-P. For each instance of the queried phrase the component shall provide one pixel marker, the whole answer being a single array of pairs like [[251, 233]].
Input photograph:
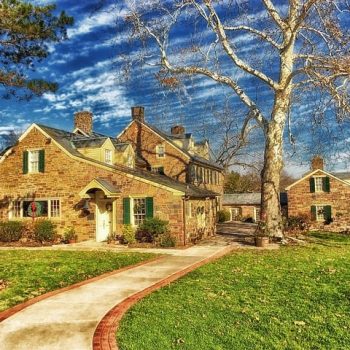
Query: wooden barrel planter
[[261, 241]]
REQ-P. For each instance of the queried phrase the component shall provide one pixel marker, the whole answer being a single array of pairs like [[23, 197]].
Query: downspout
[[184, 218]]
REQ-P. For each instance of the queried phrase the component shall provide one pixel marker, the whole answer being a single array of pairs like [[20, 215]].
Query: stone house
[[175, 154], [247, 205], [94, 183], [323, 197]]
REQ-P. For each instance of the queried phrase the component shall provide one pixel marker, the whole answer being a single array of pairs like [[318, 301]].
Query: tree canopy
[[26, 30]]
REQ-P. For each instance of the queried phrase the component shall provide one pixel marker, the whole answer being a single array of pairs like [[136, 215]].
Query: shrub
[[222, 216], [11, 231], [167, 240], [151, 229], [128, 234], [70, 234], [44, 230], [297, 223], [144, 236]]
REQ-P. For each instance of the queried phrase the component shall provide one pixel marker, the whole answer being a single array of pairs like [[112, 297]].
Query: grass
[[294, 298], [25, 274]]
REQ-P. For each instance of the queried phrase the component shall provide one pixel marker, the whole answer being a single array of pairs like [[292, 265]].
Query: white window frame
[[31, 161], [318, 183], [160, 154], [319, 217], [132, 213], [235, 212], [49, 209], [108, 156]]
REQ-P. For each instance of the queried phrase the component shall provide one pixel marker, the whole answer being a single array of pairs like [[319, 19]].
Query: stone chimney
[[177, 130], [317, 163], [83, 121], [138, 113]]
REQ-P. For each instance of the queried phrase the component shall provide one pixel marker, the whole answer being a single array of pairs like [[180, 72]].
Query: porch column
[[114, 216]]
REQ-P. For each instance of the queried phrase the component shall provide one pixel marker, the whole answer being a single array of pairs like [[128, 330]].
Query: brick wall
[[300, 200]]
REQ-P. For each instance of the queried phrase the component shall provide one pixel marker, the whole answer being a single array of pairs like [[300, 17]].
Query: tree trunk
[[270, 195]]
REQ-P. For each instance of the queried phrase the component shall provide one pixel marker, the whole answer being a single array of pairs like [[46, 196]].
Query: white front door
[[103, 222]]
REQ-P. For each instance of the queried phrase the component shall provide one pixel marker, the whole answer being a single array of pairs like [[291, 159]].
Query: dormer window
[[108, 156], [160, 151]]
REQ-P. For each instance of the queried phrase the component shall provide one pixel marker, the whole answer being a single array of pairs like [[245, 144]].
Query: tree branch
[[256, 32]]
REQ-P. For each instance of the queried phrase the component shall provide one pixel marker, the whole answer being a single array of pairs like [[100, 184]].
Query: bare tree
[[303, 43], [9, 139]]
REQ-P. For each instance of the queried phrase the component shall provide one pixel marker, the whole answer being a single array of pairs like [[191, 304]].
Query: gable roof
[[169, 138], [313, 172], [65, 140], [253, 198]]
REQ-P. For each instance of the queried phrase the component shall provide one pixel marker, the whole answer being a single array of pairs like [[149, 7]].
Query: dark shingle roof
[[344, 175], [66, 140], [2, 152], [195, 158], [253, 198], [94, 142]]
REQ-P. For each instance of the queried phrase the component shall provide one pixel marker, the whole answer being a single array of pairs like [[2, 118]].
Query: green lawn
[[29, 273], [293, 298]]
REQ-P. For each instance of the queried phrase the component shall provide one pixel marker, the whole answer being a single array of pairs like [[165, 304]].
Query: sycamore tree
[[302, 50], [26, 31]]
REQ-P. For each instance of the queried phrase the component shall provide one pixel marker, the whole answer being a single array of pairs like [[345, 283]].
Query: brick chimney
[[83, 121], [138, 113], [177, 130], [317, 163]]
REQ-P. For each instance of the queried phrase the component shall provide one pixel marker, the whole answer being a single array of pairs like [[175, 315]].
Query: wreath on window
[[34, 209]]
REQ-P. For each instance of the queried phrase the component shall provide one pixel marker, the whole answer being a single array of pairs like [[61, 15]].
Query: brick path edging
[[104, 336], [13, 310]]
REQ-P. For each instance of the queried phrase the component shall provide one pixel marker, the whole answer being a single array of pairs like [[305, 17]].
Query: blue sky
[[87, 68]]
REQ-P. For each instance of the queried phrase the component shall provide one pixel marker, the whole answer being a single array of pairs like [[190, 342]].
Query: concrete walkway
[[68, 320]]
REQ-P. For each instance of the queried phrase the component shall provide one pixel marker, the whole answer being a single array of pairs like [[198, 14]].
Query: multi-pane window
[[36, 208], [139, 210], [160, 151], [158, 170], [319, 212], [33, 161], [108, 156], [318, 184], [55, 208]]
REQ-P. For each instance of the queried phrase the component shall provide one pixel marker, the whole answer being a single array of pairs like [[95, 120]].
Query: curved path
[[68, 320]]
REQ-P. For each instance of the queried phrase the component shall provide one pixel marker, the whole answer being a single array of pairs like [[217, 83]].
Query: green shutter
[[126, 211], [25, 162], [313, 213], [326, 184], [149, 207], [327, 212], [312, 185], [42, 161]]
